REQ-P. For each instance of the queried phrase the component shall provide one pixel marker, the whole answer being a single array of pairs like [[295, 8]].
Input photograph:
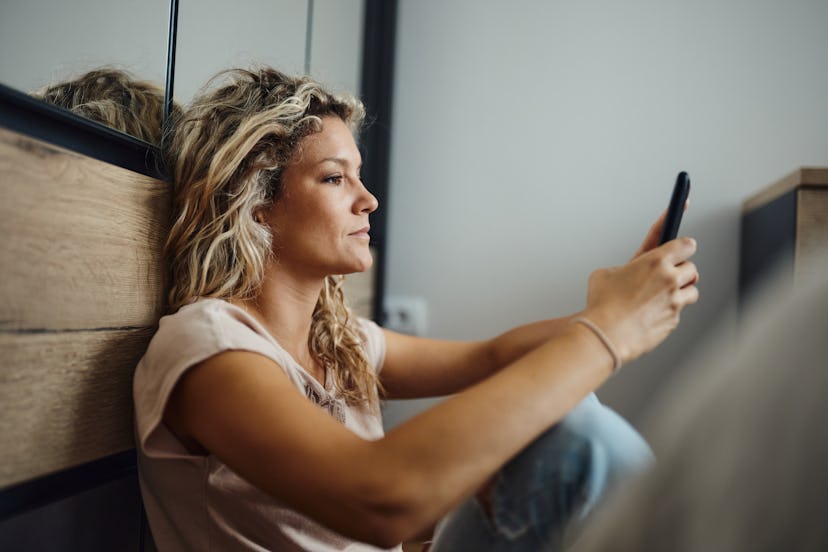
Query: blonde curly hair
[[115, 98], [225, 155]]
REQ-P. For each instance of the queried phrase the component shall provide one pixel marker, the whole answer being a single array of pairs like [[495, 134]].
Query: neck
[[285, 306]]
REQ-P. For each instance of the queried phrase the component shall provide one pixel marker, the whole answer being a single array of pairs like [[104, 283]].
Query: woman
[[257, 401]]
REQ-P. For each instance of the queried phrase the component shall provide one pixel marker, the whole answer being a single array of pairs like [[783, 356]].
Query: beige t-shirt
[[194, 502]]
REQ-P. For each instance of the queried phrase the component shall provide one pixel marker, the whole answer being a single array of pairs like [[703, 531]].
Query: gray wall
[[535, 141]]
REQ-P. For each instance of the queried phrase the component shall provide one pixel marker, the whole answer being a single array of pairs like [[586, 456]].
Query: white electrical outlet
[[406, 315]]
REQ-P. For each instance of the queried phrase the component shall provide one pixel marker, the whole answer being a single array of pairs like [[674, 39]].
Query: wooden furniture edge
[[803, 176]]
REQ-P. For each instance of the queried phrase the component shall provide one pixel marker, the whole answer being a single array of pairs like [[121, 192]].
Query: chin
[[363, 263], [364, 266], [356, 261]]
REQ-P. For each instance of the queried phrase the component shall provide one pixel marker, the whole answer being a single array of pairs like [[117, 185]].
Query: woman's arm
[[243, 409], [417, 367]]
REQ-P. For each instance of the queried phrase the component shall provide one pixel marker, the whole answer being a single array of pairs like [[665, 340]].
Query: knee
[[614, 451], [551, 486]]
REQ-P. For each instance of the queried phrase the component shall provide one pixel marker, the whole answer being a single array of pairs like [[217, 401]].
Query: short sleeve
[[374, 342], [184, 339]]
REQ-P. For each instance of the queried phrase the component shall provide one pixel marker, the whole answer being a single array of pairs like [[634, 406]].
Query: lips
[[362, 232]]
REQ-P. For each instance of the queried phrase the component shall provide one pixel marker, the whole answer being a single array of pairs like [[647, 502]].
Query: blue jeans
[[544, 493]]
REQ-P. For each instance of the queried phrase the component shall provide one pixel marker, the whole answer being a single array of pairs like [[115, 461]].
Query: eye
[[333, 179]]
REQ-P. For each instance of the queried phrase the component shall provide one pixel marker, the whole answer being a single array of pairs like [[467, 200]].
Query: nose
[[366, 202]]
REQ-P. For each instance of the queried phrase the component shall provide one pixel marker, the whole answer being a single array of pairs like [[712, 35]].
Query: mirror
[[335, 52], [45, 43], [55, 43], [322, 38], [215, 35]]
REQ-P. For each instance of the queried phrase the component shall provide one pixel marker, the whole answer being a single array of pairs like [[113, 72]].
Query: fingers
[[679, 276], [669, 255], [683, 274], [687, 274], [655, 230], [687, 295], [653, 237], [679, 250]]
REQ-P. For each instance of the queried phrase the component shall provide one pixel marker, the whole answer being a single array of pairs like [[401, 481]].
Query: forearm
[[446, 453], [416, 367], [510, 346]]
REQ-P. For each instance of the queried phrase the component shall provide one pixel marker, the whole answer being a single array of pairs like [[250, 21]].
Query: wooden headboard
[[82, 289], [80, 295]]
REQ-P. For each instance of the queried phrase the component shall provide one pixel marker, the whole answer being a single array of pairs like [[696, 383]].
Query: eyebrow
[[341, 161]]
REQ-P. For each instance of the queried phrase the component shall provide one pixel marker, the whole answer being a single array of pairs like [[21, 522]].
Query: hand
[[651, 240], [639, 304]]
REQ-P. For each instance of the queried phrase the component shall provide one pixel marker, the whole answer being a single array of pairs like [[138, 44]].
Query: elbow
[[383, 529], [389, 530], [396, 511], [388, 535]]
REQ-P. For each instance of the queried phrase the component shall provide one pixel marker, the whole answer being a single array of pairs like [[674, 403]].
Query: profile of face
[[319, 224]]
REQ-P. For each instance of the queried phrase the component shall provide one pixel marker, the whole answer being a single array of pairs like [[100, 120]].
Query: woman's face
[[320, 222]]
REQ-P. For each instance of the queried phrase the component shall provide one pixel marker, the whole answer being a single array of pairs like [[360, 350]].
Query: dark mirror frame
[[24, 114], [172, 40]]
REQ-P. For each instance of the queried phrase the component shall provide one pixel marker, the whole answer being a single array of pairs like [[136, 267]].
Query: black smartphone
[[671, 223]]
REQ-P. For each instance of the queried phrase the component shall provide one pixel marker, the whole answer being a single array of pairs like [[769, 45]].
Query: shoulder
[[373, 339], [193, 334], [200, 330], [213, 323]]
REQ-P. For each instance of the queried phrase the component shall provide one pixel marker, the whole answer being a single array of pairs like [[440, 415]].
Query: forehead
[[334, 141]]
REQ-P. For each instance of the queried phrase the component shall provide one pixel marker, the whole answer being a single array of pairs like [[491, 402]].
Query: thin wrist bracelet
[[604, 338]]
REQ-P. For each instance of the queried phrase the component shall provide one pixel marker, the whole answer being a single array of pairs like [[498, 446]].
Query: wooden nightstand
[[784, 228]]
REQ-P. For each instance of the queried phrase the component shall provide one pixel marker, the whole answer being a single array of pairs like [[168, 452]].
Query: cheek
[[301, 220]]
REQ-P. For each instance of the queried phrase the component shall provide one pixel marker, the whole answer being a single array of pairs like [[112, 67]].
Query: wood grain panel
[[81, 240], [811, 233], [804, 176], [65, 398]]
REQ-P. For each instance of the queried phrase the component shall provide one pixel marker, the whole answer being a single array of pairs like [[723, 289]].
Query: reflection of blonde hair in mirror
[[225, 155], [114, 98]]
